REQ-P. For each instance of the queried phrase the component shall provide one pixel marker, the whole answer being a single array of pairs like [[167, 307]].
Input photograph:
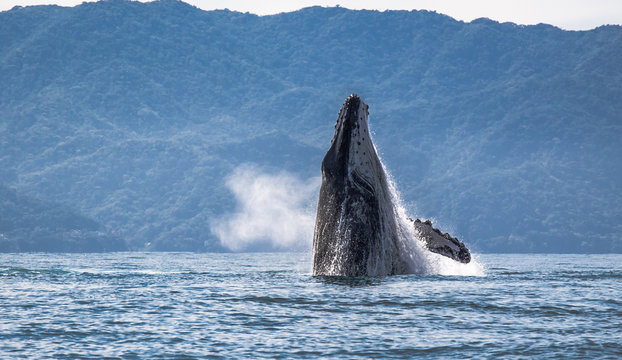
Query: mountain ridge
[[135, 112]]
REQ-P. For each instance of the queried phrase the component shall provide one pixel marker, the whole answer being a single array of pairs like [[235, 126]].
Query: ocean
[[267, 305]]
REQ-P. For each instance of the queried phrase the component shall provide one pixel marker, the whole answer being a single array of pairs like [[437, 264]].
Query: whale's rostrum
[[358, 228]]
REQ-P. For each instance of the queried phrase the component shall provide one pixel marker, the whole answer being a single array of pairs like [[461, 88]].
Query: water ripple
[[178, 305]]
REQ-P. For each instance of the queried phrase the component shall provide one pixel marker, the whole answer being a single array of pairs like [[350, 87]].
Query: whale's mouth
[[351, 152], [335, 163]]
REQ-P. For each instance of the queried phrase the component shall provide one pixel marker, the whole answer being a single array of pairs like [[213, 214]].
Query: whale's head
[[355, 229], [352, 153]]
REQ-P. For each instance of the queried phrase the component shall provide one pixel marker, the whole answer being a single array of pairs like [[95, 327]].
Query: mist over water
[[275, 211]]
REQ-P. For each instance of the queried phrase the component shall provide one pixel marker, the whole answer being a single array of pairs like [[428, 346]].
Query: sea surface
[[267, 305]]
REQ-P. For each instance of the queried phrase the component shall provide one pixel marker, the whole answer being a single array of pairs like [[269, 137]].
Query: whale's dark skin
[[358, 231]]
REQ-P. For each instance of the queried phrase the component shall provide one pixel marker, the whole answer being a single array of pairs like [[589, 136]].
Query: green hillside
[[133, 114]]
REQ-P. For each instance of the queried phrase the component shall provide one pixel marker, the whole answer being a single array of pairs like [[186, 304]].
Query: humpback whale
[[359, 230]]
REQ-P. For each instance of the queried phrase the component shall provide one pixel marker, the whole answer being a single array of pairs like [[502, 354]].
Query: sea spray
[[414, 249]]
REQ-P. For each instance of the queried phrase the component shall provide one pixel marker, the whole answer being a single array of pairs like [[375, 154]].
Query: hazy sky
[[567, 14]]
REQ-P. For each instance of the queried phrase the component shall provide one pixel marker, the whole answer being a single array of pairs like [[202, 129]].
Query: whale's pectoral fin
[[440, 243]]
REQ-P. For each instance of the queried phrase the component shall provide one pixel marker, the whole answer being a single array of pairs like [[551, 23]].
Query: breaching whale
[[358, 227]]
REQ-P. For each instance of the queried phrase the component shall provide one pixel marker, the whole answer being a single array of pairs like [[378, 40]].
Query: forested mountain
[[133, 114], [29, 224]]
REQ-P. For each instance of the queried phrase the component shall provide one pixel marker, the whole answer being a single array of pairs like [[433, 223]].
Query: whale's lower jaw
[[355, 235], [357, 231]]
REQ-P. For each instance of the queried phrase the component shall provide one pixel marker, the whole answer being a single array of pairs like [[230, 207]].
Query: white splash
[[275, 211], [423, 261]]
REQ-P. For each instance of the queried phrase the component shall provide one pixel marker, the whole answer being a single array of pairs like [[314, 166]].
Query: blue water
[[182, 305]]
